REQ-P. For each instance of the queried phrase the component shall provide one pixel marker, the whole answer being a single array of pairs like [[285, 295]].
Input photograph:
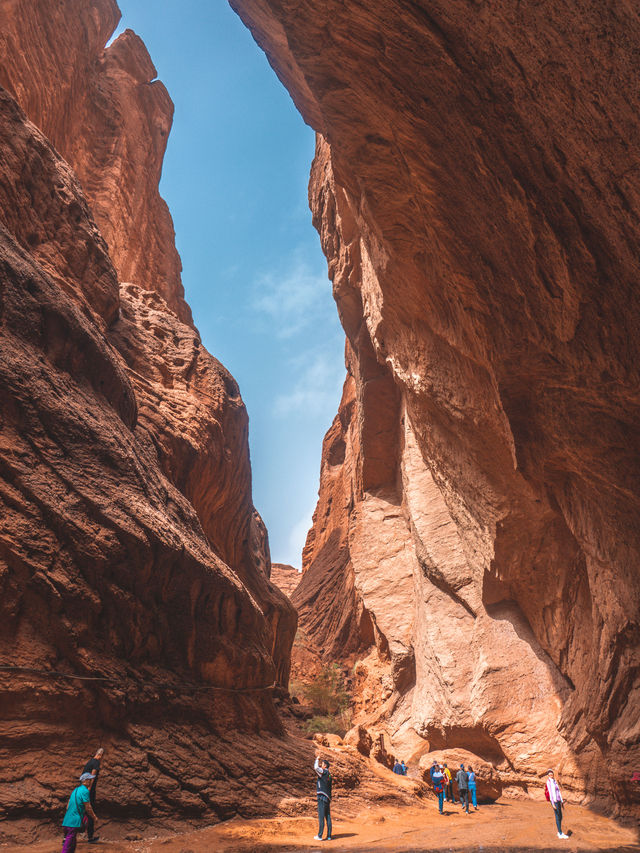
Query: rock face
[[109, 117], [135, 601], [285, 577], [476, 196]]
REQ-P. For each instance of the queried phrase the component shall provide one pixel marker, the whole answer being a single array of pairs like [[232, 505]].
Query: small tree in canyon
[[330, 701]]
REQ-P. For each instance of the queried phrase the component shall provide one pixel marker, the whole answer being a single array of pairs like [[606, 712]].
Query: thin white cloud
[[290, 300], [317, 387]]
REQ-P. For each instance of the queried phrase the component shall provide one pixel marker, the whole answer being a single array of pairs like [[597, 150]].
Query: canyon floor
[[516, 826]]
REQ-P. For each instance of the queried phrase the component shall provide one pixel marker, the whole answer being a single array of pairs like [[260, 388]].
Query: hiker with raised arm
[[323, 792], [93, 766]]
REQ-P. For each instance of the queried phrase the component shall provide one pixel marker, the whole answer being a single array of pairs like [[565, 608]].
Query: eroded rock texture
[[109, 117], [135, 601], [476, 192], [285, 577]]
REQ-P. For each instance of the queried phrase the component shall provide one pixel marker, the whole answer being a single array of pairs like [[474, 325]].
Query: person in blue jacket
[[472, 787], [397, 768], [439, 781], [323, 792]]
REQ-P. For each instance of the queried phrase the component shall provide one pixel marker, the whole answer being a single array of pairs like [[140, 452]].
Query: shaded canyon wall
[[135, 601], [476, 192]]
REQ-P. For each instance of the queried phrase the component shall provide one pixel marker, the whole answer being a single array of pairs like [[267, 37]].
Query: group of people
[[442, 782], [399, 767], [80, 814]]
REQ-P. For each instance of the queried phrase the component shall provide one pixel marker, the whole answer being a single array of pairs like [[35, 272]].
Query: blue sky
[[235, 179]]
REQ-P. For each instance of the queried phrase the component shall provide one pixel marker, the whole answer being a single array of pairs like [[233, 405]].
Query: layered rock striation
[[477, 198], [109, 117], [135, 601]]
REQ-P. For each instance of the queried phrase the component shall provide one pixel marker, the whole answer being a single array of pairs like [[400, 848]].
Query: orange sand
[[504, 826]]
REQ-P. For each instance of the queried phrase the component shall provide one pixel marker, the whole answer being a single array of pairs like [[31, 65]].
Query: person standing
[[404, 767], [323, 791], [93, 767], [438, 779], [463, 788], [397, 768], [448, 784], [554, 795], [77, 807], [471, 778]]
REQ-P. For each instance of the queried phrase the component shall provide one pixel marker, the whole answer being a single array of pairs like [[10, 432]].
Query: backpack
[[546, 793]]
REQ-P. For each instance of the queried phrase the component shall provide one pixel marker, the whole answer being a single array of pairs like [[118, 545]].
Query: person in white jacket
[[555, 798]]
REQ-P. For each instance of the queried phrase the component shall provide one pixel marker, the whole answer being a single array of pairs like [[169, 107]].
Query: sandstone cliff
[[109, 117], [477, 198], [285, 577], [135, 601]]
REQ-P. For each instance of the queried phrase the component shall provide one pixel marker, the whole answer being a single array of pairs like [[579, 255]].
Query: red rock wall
[[109, 117], [285, 577], [476, 196], [135, 601]]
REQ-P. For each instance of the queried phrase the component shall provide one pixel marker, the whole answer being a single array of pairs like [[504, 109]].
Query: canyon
[[473, 562], [475, 547], [136, 604]]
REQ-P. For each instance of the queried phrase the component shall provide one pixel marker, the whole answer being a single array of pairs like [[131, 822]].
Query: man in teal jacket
[[77, 807]]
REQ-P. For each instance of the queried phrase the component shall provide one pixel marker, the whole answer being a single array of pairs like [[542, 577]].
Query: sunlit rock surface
[[285, 577], [475, 192], [109, 117], [136, 609]]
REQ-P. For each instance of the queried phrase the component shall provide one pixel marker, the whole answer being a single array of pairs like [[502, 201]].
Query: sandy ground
[[505, 826]]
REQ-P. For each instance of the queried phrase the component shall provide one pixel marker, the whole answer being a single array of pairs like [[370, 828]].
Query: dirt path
[[504, 826]]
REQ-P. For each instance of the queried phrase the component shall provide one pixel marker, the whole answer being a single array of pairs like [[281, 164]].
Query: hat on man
[[86, 776]]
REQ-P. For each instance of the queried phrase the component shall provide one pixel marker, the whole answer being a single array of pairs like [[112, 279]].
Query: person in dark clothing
[[404, 767], [93, 766], [397, 768], [323, 791], [462, 779]]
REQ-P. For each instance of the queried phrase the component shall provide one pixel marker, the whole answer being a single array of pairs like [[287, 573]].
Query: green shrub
[[338, 724], [330, 701], [327, 694]]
